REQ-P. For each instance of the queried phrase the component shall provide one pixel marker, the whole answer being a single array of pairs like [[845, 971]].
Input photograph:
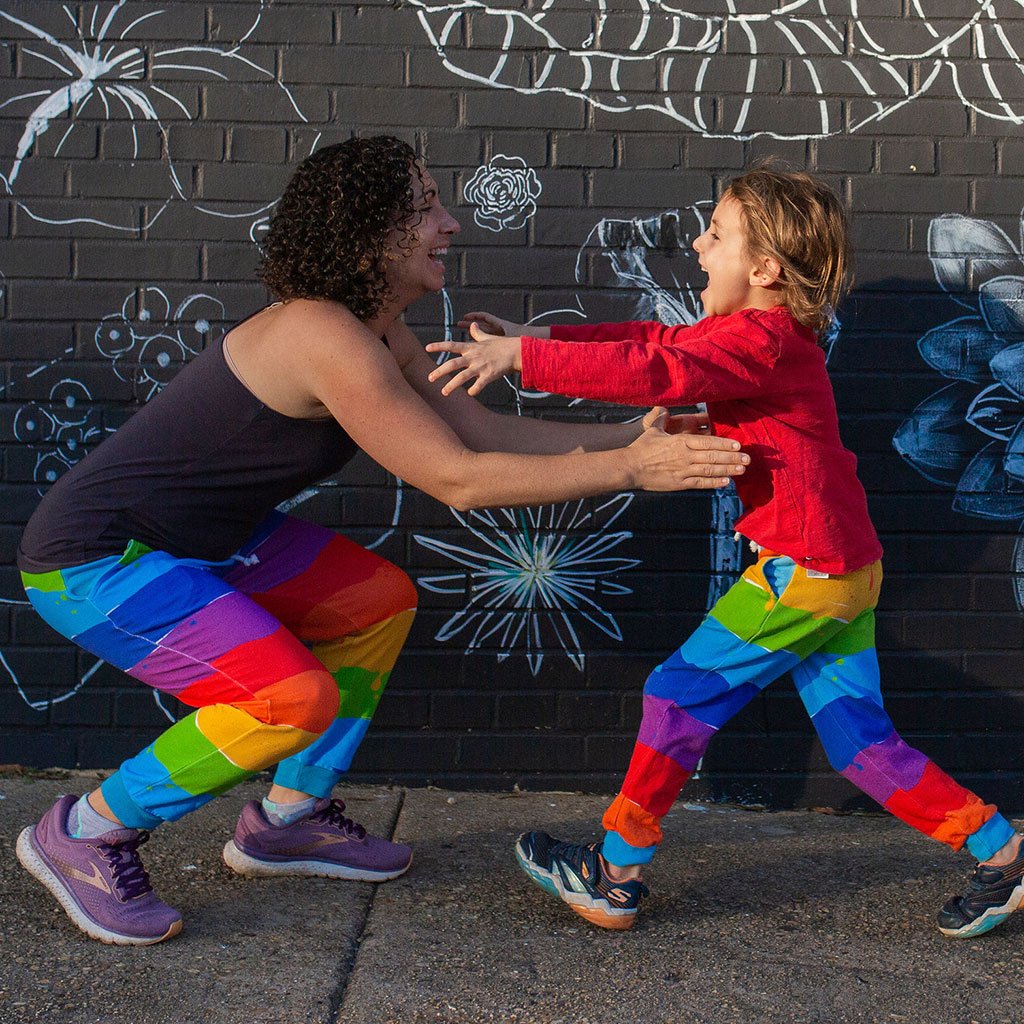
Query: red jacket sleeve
[[660, 366], [630, 330]]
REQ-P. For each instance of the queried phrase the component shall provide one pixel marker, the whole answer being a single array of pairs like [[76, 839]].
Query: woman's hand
[[492, 324], [486, 359], [683, 461]]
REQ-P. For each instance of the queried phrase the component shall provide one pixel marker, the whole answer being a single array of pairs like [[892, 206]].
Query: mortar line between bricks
[[348, 966]]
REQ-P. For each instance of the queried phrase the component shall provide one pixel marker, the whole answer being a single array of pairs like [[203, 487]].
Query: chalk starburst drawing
[[535, 576], [818, 56], [969, 435], [101, 72]]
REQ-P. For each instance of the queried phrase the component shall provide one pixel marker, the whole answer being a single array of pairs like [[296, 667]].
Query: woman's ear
[[767, 273]]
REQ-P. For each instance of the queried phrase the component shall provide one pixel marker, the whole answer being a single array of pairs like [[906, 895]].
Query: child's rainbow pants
[[230, 639], [777, 619]]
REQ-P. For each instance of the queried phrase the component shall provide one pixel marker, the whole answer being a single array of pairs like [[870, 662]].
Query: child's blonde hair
[[800, 223]]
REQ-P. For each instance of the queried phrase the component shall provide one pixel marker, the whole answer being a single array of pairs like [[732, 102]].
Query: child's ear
[[767, 274]]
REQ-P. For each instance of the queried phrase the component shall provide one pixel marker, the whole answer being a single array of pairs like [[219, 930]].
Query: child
[[776, 256]]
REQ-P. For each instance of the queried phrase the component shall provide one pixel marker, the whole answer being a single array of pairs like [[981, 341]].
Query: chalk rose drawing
[[101, 72], [504, 192], [532, 577], [969, 435], [815, 57]]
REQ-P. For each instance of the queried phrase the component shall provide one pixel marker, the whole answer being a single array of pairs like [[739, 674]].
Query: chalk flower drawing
[[146, 351], [150, 348], [99, 71], [816, 56], [59, 429], [969, 435], [504, 192], [531, 580]]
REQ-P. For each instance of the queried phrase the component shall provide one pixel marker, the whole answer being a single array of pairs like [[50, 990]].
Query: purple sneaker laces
[[333, 814], [129, 877]]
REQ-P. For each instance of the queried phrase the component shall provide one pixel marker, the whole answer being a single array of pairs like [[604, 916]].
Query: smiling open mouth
[[437, 255]]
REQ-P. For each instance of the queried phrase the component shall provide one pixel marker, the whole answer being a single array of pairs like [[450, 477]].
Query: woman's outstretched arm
[[485, 430], [353, 375]]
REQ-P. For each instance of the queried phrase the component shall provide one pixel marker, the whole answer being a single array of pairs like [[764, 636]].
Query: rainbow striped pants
[[777, 619], [230, 639]]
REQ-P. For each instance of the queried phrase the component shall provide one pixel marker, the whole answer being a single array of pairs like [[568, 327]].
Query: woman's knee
[[308, 702], [397, 593]]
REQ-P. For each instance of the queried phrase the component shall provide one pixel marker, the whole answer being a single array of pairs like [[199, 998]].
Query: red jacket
[[763, 378]]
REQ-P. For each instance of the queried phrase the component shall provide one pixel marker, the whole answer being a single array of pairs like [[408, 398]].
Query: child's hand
[[485, 359], [492, 324], [684, 423]]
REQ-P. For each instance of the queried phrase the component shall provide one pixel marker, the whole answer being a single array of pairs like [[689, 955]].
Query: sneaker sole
[[34, 862], [992, 918], [252, 867], [612, 918]]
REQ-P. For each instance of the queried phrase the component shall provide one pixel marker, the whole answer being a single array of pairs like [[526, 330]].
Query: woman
[[163, 554]]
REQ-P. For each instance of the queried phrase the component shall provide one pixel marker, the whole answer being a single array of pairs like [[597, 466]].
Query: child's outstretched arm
[[486, 358], [492, 324]]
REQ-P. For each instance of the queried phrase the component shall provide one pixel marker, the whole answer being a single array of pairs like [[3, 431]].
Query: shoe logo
[[96, 879], [326, 839], [619, 895]]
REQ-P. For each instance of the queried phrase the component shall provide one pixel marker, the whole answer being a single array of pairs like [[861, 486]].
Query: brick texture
[[138, 209]]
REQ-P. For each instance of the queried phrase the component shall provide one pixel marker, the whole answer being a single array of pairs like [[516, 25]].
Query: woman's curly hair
[[330, 234]]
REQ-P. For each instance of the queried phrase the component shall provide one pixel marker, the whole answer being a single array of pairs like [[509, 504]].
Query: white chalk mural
[[969, 435], [91, 67], [834, 70], [504, 192]]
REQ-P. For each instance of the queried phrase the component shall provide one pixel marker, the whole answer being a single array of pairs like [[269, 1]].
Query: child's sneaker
[[573, 874], [325, 844], [100, 882], [993, 894]]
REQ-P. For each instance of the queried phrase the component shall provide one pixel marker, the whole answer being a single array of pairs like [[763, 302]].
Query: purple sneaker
[[325, 844], [100, 882]]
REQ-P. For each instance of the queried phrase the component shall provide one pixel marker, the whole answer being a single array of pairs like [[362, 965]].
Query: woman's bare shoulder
[[284, 353], [312, 317]]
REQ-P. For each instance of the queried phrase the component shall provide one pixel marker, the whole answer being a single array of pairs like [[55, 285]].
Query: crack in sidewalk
[[336, 1003]]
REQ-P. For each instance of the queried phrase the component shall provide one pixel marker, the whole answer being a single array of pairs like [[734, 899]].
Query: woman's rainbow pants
[[230, 639], [779, 619]]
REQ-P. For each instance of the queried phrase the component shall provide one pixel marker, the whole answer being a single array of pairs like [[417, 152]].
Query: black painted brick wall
[[184, 193]]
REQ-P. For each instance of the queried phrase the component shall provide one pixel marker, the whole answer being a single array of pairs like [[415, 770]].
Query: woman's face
[[419, 251]]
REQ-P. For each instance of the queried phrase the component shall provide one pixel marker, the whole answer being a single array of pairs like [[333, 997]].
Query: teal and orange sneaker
[[574, 874]]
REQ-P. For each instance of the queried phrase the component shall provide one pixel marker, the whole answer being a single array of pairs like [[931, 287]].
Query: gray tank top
[[193, 473]]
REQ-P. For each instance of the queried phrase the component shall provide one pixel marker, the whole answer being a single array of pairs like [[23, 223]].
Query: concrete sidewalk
[[753, 917]]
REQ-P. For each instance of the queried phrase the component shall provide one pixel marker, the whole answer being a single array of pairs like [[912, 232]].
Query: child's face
[[733, 280]]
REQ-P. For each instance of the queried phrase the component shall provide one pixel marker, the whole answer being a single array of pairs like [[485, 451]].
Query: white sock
[[281, 814], [85, 822]]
